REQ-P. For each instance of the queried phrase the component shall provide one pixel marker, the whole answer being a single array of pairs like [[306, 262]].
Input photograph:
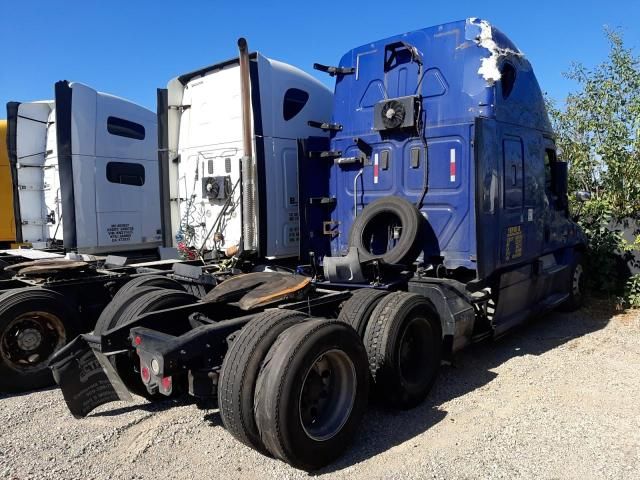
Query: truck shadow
[[471, 369], [151, 407]]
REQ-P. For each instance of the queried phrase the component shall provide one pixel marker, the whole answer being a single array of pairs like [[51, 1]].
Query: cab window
[[549, 160]]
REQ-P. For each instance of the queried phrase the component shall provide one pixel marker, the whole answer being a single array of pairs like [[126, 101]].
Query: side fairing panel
[[31, 155], [83, 162], [283, 227], [126, 213], [111, 146], [278, 185], [53, 189], [512, 204]]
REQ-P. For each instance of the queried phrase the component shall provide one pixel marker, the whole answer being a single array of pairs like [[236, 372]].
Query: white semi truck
[[85, 172]]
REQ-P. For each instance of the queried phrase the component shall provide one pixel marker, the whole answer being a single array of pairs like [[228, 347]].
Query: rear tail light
[[145, 373], [166, 385]]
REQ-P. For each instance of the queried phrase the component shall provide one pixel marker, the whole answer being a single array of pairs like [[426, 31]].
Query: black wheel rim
[[328, 394], [415, 351], [30, 339]]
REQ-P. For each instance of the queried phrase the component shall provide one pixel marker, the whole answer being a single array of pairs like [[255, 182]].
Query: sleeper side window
[[126, 173], [508, 79], [125, 128], [294, 101]]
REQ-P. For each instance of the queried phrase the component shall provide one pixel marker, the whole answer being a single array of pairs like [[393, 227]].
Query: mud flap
[[86, 377]]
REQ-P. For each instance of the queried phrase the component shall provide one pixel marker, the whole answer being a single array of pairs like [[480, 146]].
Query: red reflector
[[166, 383], [137, 340], [376, 168], [452, 165], [145, 374]]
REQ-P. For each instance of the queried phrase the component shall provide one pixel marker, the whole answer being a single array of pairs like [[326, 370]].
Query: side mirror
[[583, 196]]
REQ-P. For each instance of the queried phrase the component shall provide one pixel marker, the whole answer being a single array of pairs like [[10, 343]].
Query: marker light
[[145, 374], [166, 384]]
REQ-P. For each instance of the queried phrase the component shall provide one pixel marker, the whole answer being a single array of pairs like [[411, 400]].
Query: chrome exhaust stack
[[249, 193]]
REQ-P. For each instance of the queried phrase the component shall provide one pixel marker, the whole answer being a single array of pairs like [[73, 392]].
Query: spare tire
[[373, 230]]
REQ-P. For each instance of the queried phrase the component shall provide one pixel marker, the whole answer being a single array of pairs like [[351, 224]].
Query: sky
[[130, 48]]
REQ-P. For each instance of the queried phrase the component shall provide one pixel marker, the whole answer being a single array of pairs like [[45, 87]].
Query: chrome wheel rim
[[327, 396]]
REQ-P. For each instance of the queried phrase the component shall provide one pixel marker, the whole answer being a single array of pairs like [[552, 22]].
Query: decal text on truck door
[[120, 232], [514, 243]]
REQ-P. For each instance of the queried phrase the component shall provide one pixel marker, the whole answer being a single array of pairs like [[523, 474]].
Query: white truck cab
[[201, 115], [86, 172]]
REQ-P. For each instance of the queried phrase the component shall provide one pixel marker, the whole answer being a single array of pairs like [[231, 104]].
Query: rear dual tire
[[311, 393], [402, 335], [404, 348], [158, 281], [294, 388], [240, 368], [358, 309], [34, 324]]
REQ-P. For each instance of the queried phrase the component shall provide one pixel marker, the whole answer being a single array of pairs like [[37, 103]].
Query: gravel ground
[[558, 399]]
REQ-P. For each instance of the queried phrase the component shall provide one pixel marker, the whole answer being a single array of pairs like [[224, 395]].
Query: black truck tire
[[379, 214], [159, 281], [312, 392], [576, 286], [127, 364], [109, 316], [240, 368], [404, 346], [357, 310], [34, 323]]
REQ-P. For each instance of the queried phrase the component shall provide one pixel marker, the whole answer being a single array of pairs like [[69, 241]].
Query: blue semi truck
[[435, 216]]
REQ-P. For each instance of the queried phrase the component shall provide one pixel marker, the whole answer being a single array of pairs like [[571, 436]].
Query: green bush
[[598, 134], [632, 291]]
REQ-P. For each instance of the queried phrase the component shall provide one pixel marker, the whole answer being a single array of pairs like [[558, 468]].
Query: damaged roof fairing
[[499, 47], [525, 104]]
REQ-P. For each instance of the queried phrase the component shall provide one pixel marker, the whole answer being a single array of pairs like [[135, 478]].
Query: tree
[[599, 129], [598, 133]]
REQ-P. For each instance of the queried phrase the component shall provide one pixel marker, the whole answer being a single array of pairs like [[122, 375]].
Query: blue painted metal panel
[[445, 75]]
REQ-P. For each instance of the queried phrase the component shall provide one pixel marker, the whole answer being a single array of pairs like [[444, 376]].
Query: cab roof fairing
[[467, 56], [497, 43], [525, 105]]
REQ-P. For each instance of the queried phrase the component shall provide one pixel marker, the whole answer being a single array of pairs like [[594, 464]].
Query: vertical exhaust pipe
[[249, 210]]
